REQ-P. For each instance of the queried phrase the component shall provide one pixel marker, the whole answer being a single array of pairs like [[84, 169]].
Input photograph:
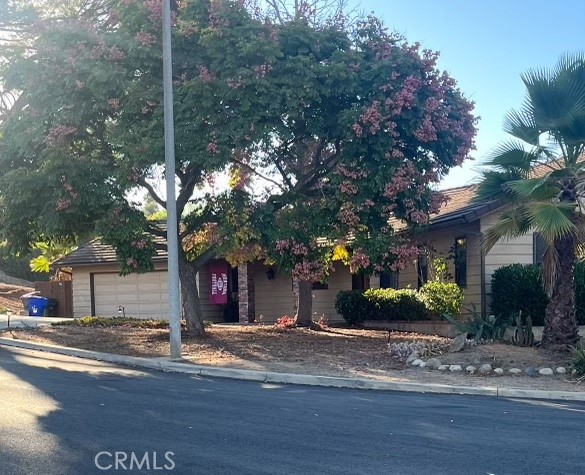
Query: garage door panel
[[141, 295]]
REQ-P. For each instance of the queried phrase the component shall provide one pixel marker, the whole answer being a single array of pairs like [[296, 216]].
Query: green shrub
[[578, 362], [518, 288], [357, 306], [353, 306], [442, 298]]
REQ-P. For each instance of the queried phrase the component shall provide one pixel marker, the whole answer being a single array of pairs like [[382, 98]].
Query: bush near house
[[519, 287], [442, 298], [357, 306]]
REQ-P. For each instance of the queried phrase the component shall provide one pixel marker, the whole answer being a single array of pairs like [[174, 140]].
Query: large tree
[[86, 130], [331, 134], [363, 126], [540, 174]]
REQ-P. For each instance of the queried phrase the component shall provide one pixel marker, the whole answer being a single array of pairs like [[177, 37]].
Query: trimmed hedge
[[357, 306], [519, 287]]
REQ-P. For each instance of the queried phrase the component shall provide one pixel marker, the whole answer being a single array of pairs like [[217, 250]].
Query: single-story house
[[256, 292]]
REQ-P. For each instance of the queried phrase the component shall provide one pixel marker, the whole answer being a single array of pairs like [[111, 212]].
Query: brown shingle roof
[[96, 253]]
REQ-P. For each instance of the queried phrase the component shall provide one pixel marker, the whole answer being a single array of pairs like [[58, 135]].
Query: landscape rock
[[499, 371], [422, 365], [433, 363], [455, 367], [532, 372], [413, 356], [458, 343], [443, 367], [417, 362], [546, 371], [514, 371], [471, 369], [561, 370], [485, 368]]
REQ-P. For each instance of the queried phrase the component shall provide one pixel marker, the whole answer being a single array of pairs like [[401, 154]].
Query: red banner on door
[[218, 273]]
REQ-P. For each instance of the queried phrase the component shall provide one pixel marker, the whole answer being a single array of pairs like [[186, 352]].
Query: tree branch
[[142, 182]]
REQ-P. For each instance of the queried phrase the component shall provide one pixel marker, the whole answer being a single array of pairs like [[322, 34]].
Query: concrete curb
[[162, 364]]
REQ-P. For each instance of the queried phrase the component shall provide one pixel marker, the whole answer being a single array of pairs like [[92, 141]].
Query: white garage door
[[141, 295]]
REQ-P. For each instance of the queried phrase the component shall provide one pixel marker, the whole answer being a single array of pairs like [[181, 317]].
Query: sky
[[485, 45]]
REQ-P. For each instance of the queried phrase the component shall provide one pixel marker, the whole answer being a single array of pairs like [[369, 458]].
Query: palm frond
[[511, 155], [521, 124], [539, 189], [493, 185], [510, 224], [552, 220]]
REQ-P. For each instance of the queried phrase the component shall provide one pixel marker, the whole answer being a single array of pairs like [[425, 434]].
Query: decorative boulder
[[471, 369], [433, 363], [413, 356], [458, 343], [417, 362], [546, 371], [455, 367], [485, 368]]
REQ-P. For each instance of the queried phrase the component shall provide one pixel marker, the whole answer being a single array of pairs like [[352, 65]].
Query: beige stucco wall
[[441, 241], [505, 252], [272, 298], [275, 298], [324, 300]]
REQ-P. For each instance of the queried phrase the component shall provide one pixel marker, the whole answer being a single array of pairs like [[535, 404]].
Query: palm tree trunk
[[303, 318], [560, 324]]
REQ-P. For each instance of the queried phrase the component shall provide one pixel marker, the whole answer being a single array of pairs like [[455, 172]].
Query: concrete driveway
[[21, 321]]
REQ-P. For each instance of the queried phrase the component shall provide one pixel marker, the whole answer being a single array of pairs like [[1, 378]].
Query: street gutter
[[165, 364]]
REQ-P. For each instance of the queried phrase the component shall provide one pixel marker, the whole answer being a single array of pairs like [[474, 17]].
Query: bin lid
[[38, 299]]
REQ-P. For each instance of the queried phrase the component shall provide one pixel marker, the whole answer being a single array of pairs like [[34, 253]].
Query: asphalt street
[[59, 413]]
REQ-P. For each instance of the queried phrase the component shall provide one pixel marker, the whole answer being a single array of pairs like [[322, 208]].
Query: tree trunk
[[560, 324], [190, 297], [303, 318]]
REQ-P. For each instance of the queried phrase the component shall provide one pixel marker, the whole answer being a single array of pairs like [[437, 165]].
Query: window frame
[[460, 277]]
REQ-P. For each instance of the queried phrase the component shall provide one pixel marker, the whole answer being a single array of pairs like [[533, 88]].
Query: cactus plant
[[523, 334]]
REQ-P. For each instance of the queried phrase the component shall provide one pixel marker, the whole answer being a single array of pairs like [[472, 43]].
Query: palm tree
[[540, 174]]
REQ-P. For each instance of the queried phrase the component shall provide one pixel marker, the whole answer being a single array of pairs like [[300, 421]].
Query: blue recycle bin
[[37, 306]]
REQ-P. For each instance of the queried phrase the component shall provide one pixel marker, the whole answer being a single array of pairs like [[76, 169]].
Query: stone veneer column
[[246, 295]]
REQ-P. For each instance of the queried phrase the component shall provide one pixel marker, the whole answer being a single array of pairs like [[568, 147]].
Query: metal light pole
[[172, 225]]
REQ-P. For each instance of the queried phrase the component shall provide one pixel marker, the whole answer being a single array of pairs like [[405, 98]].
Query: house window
[[538, 248], [320, 286], [461, 261], [422, 268], [389, 280], [358, 281]]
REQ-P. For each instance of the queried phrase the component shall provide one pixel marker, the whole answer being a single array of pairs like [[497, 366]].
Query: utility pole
[[172, 222]]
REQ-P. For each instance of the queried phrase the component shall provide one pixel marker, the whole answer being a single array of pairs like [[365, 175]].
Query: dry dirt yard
[[10, 297], [333, 352]]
